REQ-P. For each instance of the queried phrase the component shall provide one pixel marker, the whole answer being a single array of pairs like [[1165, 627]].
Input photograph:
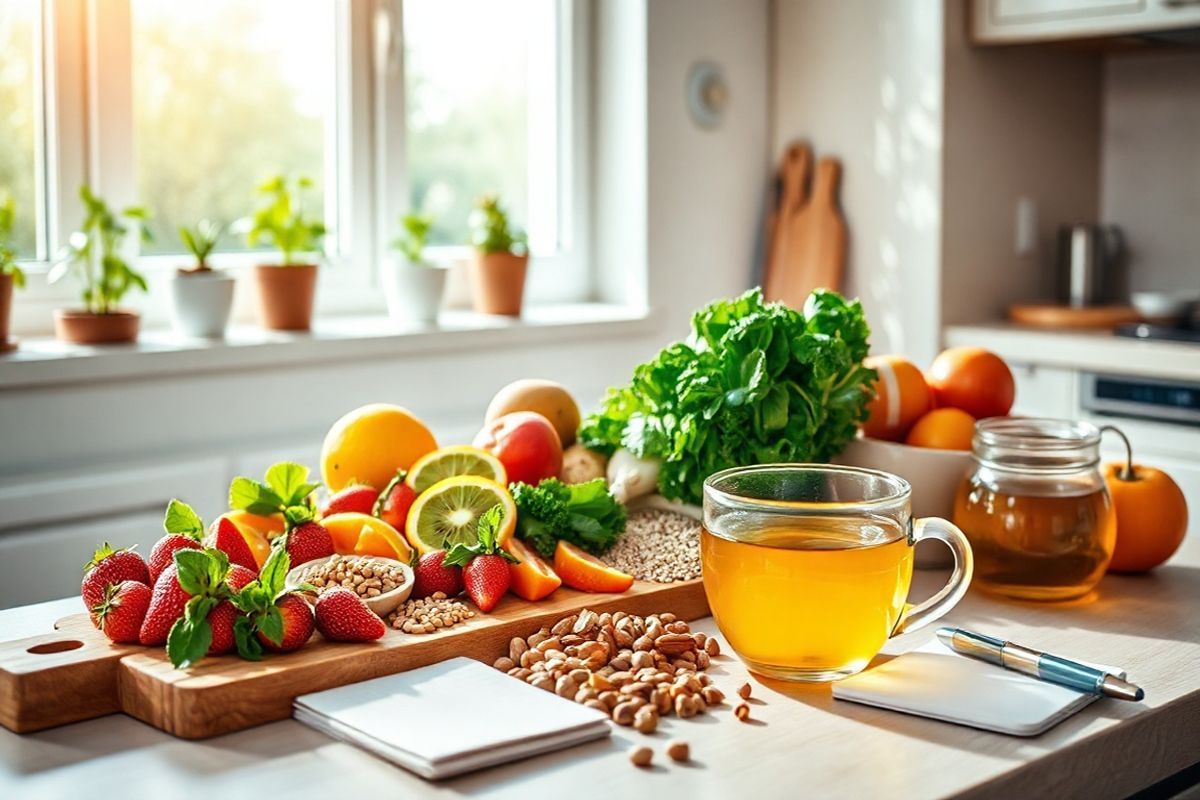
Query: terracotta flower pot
[[285, 296], [499, 282], [84, 327], [6, 295]]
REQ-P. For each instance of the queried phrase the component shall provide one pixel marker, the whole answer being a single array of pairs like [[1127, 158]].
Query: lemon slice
[[448, 513], [447, 462]]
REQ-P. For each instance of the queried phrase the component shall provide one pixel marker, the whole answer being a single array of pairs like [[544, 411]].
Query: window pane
[[227, 93], [480, 77], [19, 31]]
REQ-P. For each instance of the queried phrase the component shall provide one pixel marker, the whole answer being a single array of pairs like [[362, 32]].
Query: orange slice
[[585, 572], [530, 578], [448, 513], [361, 534], [257, 530], [447, 462]]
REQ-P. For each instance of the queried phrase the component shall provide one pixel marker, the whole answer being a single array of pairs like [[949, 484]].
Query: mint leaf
[[248, 645], [191, 635], [180, 518], [290, 481], [250, 495], [297, 515], [270, 624], [193, 567], [274, 572], [488, 525], [460, 555]]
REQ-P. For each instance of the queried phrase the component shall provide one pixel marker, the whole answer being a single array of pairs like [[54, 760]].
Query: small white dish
[[1163, 306], [383, 604]]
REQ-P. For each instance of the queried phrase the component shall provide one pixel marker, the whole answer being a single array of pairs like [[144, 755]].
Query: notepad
[[933, 681], [450, 718]]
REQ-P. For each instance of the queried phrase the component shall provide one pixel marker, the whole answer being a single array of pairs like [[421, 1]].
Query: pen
[[1043, 666]]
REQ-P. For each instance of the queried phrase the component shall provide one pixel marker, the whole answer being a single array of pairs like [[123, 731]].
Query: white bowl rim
[[291, 579]]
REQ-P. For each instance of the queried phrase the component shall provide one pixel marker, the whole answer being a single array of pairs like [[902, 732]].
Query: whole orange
[[1151, 517], [974, 380], [368, 445], [943, 429], [901, 397]]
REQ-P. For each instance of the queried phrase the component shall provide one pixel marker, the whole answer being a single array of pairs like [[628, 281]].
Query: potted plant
[[10, 274], [286, 289], [96, 255], [501, 258], [201, 297], [413, 287]]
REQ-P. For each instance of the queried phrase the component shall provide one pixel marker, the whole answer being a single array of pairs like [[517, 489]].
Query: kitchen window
[[388, 105]]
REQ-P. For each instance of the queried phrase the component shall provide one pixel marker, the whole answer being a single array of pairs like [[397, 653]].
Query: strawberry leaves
[[257, 602], [286, 491], [488, 544], [201, 573], [181, 519]]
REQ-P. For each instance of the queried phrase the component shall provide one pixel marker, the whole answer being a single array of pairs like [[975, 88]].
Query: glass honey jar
[[1036, 509]]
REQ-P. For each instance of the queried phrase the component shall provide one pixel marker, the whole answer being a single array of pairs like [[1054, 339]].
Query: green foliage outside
[[95, 254], [8, 246], [18, 124]]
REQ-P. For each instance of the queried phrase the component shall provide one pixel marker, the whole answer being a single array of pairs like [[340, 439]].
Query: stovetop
[[1170, 333]]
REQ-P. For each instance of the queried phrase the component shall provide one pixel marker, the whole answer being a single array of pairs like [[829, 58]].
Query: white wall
[[862, 80], [1150, 168], [80, 462]]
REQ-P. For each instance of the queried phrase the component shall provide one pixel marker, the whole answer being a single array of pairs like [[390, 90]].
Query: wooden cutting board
[[1072, 318], [75, 673], [807, 236]]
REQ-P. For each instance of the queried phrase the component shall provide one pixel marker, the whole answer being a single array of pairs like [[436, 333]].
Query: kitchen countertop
[[1089, 351], [801, 737]]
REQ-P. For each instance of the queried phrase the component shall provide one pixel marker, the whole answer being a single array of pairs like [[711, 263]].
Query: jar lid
[[1036, 443]]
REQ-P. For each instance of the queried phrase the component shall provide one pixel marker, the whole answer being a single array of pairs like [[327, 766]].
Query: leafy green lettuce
[[585, 514], [755, 383]]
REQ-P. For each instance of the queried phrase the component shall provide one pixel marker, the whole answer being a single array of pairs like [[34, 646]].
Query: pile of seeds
[[661, 546], [429, 614], [632, 668], [365, 575]]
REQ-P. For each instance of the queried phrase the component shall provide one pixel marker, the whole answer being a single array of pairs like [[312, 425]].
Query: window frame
[[86, 135]]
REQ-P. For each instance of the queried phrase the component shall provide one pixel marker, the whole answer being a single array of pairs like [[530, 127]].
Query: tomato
[[526, 444], [973, 380]]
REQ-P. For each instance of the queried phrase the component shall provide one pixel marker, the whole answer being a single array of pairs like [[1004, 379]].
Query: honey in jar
[[1036, 509]]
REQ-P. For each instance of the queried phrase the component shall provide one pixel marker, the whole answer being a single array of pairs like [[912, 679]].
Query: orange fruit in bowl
[[581, 570], [448, 513], [370, 444], [943, 429], [1151, 517], [901, 397], [530, 578], [258, 530], [973, 380], [363, 535]]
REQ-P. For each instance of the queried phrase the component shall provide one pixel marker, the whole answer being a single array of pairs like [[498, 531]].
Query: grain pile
[[660, 546]]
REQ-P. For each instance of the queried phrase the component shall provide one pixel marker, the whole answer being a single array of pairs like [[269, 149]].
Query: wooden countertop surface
[[803, 742]]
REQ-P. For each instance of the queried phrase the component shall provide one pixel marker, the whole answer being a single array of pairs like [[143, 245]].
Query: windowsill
[[162, 353]]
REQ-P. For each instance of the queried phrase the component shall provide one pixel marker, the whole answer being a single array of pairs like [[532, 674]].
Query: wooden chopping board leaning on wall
[[806, 234]]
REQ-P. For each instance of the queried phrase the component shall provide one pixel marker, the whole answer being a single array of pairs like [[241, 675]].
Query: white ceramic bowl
[[1163, 306], [383, 604]]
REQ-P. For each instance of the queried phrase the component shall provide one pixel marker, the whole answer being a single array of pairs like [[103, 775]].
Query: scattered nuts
[[641, 756], [624, 713], [742, 712], [678, 750], [437, 612], [646, 719], [712, 647], [712, 695], [744, 691], [504, 664]]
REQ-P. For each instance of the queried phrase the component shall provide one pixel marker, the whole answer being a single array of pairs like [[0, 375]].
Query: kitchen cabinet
[[1018, 21]]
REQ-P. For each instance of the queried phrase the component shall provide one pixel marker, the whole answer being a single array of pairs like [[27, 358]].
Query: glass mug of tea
[[807, 566]]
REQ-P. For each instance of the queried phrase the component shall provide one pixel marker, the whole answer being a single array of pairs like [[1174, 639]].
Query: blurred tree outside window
[[19, 29]]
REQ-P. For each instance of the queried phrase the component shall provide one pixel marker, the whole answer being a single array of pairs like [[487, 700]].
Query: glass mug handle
[[922, 614]]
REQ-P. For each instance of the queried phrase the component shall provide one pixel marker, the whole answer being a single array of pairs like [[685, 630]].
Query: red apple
[[526, 444]]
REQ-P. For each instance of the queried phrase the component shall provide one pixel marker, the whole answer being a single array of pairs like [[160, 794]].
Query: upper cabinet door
[[1017, 21]]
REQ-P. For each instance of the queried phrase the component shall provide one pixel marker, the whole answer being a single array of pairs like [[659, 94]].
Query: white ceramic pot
[[201, 302], [414, 294]]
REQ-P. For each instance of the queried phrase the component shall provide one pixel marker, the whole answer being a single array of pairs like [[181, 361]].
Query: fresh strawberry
[[184, 531], [306, 542], [360, 498], [225, 536], [119, 615], [342, 616], [485, 564], [163, 553], [275, 617], [220, 622], [167, 602], [110, 566], [394, 502], [297, 617], [433, 575], [239, 577]]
